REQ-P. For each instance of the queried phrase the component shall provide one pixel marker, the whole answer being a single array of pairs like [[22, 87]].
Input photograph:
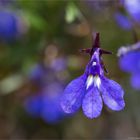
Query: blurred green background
[[49, 29]]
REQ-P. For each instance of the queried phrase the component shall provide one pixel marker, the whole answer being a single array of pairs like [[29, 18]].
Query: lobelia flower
[[123, 21], [8, 25], [92, 88], [46, 106], [133, 8], [44, 103], [51, 109], [130, 62], [33, 105], [12, 25]]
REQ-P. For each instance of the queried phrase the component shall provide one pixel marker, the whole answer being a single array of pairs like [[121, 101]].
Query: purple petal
[[59, 64], [37, 74], [51, 111], [130, 62], [133, 8], [112, 94], [135, 81], [92, 103], [8, 25], [33, 105], [123, 21], [73, 95]]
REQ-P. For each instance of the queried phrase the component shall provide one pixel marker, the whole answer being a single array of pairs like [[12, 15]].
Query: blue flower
[[45, 107], [130, 62], [33, 105], [133, 8], [12, 25], [92, 88], [39, 75], [45, 102], [8, 25], [123, 21], [51, 110]]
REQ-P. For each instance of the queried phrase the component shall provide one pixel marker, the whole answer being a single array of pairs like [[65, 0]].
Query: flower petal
[[132, 7], [123, 21], [51, 111], [135, 81], [92, 103], [112, 94], [73, 95], [130, 62], [33, 105]]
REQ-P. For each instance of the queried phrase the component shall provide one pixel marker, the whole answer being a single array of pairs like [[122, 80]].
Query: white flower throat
[[93, 80]]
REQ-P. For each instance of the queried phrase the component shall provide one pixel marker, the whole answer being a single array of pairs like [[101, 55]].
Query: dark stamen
[[96, 45], [105, 52], [96, 40], [103, 66], [85, 50]]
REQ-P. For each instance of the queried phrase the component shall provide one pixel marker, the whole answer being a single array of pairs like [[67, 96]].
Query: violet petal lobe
[[123, 21], [92, 103], [33, 105], [73, 95], [135, 81], [130, 62], [112, 94], [51, 110], [132, 7]]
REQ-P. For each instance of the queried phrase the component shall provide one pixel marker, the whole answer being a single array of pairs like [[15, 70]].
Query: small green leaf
[[72, 12]]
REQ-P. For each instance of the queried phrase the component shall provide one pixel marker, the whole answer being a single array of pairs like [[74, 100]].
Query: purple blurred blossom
[[123, 21], [130, 62], [135, 81], [59, 64], [33, 105], [133, 8], [51, 111], [45, 103], [44, 74], [12, 25], [92, 88], [38, 75], [8, 25]]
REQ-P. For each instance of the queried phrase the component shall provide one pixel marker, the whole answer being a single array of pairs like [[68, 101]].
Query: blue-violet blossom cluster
[[130, 62], [126, 20], [44, 103], [12, 25], [133, 8], [92, 88]]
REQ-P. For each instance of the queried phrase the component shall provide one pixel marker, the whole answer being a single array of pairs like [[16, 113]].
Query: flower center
[[89, 81], [94, 63], [97, 81], [93, 80]]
